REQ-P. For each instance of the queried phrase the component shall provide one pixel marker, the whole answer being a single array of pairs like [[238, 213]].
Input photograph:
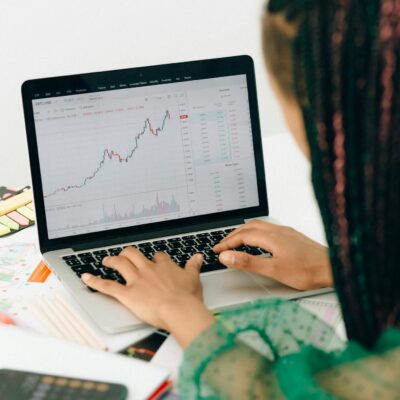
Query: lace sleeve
[[274, 349]]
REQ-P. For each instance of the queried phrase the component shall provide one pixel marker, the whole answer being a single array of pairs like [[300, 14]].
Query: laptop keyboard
[[180, 249]]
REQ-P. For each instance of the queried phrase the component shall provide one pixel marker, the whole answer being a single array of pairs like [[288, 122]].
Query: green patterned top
[[276, 349]]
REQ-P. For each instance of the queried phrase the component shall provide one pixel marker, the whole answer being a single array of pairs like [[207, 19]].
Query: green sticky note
[[9, 222], [4, 230]]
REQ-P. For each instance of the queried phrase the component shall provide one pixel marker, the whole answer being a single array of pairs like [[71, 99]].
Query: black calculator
[[21, 385]]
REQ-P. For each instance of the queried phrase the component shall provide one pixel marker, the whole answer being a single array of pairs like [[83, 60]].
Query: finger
[[238, 229], [244, 236], [244, 261], [159, 256], [249, 236], [195, 263], [255, 223], [105, 286], [123, 266], [265, 226], [135, 256]]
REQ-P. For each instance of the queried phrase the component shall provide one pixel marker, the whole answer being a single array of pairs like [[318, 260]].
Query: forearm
[[241, 373]]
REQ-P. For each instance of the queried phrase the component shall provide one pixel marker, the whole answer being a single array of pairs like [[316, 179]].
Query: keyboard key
[[115, 251], [156, 242], [209, 253], [175, 245], [72, 257], [189, 237], [183, 257], [241, 248], [97, 272], [229, 230], [88, 260], [161, 247], [145, 244], [216, 238], [173, 252], [100, 252], [217, 233], [174, 240], [98, 265], [109, 275], [73, 262], [202, 247], [188, 250], [216, 266], [147, 249], [203, 240], [189, 242], [87, 267], [82, 269], [83, 255], [203, 235], [254, 251]]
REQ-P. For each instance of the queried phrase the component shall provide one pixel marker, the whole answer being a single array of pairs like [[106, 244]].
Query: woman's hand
[[297, 261], [158, 292]]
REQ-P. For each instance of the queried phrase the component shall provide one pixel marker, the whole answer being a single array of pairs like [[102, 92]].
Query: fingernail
[[227, 257], [86, 277]]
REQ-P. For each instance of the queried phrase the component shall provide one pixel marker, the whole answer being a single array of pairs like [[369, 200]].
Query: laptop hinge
[[156, 234]]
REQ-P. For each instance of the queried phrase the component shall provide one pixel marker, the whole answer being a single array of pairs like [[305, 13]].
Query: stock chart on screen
[[134, 156]]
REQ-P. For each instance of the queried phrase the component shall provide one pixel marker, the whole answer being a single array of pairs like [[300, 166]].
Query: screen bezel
[[91, 82]]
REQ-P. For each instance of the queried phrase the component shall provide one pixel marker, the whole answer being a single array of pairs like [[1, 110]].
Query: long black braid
[[346, 76]]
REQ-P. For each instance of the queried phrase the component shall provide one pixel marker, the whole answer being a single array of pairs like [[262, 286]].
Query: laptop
[[165, 158]]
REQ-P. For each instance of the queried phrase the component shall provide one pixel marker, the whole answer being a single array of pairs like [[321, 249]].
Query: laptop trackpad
[[224, 289]]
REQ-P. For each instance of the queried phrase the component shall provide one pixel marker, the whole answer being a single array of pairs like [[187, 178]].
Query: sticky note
[[26, 212], [30, 205], [9, 222], [4, 230], [17, 217], [40, 274], [16, 201]]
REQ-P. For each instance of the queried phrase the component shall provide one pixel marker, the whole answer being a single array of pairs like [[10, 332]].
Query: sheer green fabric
[[275, 349]]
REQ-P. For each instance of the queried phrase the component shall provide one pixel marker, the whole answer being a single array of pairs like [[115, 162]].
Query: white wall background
[[40, 38]]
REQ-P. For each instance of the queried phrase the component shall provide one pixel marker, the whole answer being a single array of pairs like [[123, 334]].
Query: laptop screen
[[144, 153]]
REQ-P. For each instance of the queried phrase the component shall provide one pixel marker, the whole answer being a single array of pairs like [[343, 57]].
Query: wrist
[[185, 318], [325, 278]]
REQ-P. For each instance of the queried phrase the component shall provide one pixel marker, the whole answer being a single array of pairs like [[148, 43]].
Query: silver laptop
[[164, 158]]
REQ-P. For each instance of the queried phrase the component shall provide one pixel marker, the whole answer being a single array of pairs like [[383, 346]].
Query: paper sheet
[[327, 308], [19, 256]]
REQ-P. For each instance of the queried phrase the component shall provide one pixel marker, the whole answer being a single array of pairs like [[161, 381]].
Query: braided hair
[[345, 73]]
